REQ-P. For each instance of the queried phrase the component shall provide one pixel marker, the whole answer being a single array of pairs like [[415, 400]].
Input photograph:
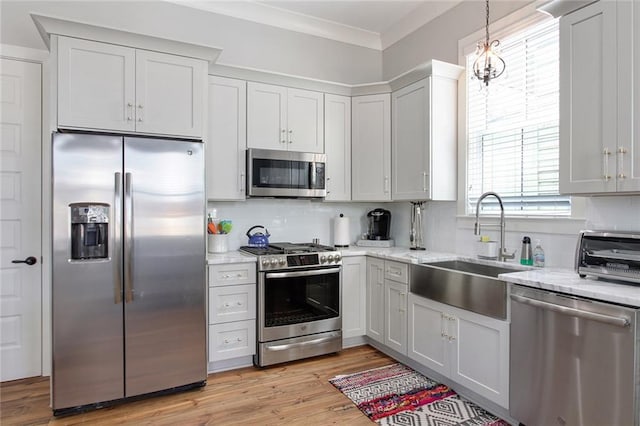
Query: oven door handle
[[299, 344], [301, 273]]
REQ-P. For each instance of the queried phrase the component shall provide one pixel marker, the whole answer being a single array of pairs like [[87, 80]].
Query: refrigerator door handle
[[128, 232], [117, 235]]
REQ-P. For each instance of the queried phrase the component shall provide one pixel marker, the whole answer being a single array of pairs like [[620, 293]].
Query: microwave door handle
[[312, 175]]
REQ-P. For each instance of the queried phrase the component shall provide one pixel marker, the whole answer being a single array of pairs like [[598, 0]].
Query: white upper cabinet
[[371, 148], [170, 94], [107, 87], [424, 139], [96, 85], [599, 130], [628, 152], [305, 119], [226, 139], [284, 118], [337, 144]]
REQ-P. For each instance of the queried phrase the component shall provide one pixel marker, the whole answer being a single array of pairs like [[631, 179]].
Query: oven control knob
[[282, 261], [323, 258], [338, 257], [274, 262], [265, 262], [330, 258]]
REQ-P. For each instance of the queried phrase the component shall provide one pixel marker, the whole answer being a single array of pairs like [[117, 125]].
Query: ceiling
[[375, 24]]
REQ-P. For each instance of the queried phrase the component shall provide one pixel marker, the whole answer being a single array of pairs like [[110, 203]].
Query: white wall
[[243, 43]]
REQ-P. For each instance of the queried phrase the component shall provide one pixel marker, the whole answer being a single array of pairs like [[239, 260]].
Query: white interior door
[[20, 220]]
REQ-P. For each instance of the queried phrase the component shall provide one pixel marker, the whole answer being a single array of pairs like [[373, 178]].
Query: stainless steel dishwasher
[[574, 361]]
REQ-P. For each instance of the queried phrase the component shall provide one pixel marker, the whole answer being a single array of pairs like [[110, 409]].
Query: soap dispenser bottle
[[526, 258]]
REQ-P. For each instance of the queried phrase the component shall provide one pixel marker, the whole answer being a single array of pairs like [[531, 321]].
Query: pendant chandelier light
[[488, 65]]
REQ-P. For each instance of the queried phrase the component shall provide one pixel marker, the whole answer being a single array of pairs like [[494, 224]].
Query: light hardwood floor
[[295, 393]]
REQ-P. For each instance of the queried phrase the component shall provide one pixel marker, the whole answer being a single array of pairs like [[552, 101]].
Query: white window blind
[[512, 127]]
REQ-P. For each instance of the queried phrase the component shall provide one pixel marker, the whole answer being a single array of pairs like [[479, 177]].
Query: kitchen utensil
[[258, 239]]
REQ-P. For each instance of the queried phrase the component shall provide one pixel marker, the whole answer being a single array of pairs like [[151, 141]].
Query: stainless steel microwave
[[287, 174]]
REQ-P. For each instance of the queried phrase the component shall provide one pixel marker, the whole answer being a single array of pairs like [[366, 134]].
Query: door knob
[[29, 261]]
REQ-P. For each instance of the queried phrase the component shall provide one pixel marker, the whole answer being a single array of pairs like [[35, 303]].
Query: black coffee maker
[[379, 224]]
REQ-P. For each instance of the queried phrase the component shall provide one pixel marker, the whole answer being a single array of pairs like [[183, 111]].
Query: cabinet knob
[[239, 339], [140, 106], [226, 341], [239, 303]]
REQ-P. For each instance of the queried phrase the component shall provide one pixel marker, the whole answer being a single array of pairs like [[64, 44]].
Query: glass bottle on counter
[[538, 255]]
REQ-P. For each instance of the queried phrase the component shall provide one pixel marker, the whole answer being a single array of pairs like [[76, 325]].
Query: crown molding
[[416, 19], [49, 25]]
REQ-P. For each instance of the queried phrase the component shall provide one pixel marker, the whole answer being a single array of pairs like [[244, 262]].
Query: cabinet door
[[95, 85], [305, 121], [226, 139], [170, 94], [375, 299], [266, 116], [395, 315], [354, 290], [337, 144], [428, 342], [371, 148], [588, 87], [628, 152], [410, 142], [480, 355]]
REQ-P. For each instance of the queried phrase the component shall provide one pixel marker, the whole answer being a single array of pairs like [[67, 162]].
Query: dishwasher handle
[[608, 319]]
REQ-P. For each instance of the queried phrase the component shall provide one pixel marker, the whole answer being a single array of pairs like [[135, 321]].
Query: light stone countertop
[[568, 281], [233, 256], [552, 279]]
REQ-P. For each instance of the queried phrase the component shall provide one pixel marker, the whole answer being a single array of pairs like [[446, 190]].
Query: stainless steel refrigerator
[[128, 292]]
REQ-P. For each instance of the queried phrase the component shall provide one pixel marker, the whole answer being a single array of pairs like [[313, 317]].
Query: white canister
[[341, 231], [217, 243]]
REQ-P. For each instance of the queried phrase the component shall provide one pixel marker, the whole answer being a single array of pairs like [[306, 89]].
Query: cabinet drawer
[[232, 273], [232, 303], [232, 340], [396, 271]]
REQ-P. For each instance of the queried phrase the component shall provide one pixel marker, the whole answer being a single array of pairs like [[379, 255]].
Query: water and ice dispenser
[[89, 231]]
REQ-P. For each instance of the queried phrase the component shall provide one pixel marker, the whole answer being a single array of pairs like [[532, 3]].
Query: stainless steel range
[[299, 306]]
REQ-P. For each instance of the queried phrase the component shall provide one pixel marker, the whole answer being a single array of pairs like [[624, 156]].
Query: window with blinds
[[512, 127]]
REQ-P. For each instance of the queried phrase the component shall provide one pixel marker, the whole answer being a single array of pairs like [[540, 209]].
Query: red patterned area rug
[[396, 395]]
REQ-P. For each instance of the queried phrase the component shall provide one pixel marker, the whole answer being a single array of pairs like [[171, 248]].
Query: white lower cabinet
[[375, 299], [396, 288], [395, 316], [232, 311], [354, 289], [232, 340], [468, 348]]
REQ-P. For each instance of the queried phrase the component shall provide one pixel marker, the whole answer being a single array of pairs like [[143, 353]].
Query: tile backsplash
[[292, 220], [304, 220]]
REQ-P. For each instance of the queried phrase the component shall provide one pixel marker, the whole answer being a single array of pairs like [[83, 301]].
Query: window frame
[[569, 224]]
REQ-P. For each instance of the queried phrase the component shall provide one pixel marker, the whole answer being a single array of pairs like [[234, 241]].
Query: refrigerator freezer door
[[164, 264], [86, 292]]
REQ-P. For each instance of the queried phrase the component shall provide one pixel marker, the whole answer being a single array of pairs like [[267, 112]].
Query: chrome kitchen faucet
[[503, 255]]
